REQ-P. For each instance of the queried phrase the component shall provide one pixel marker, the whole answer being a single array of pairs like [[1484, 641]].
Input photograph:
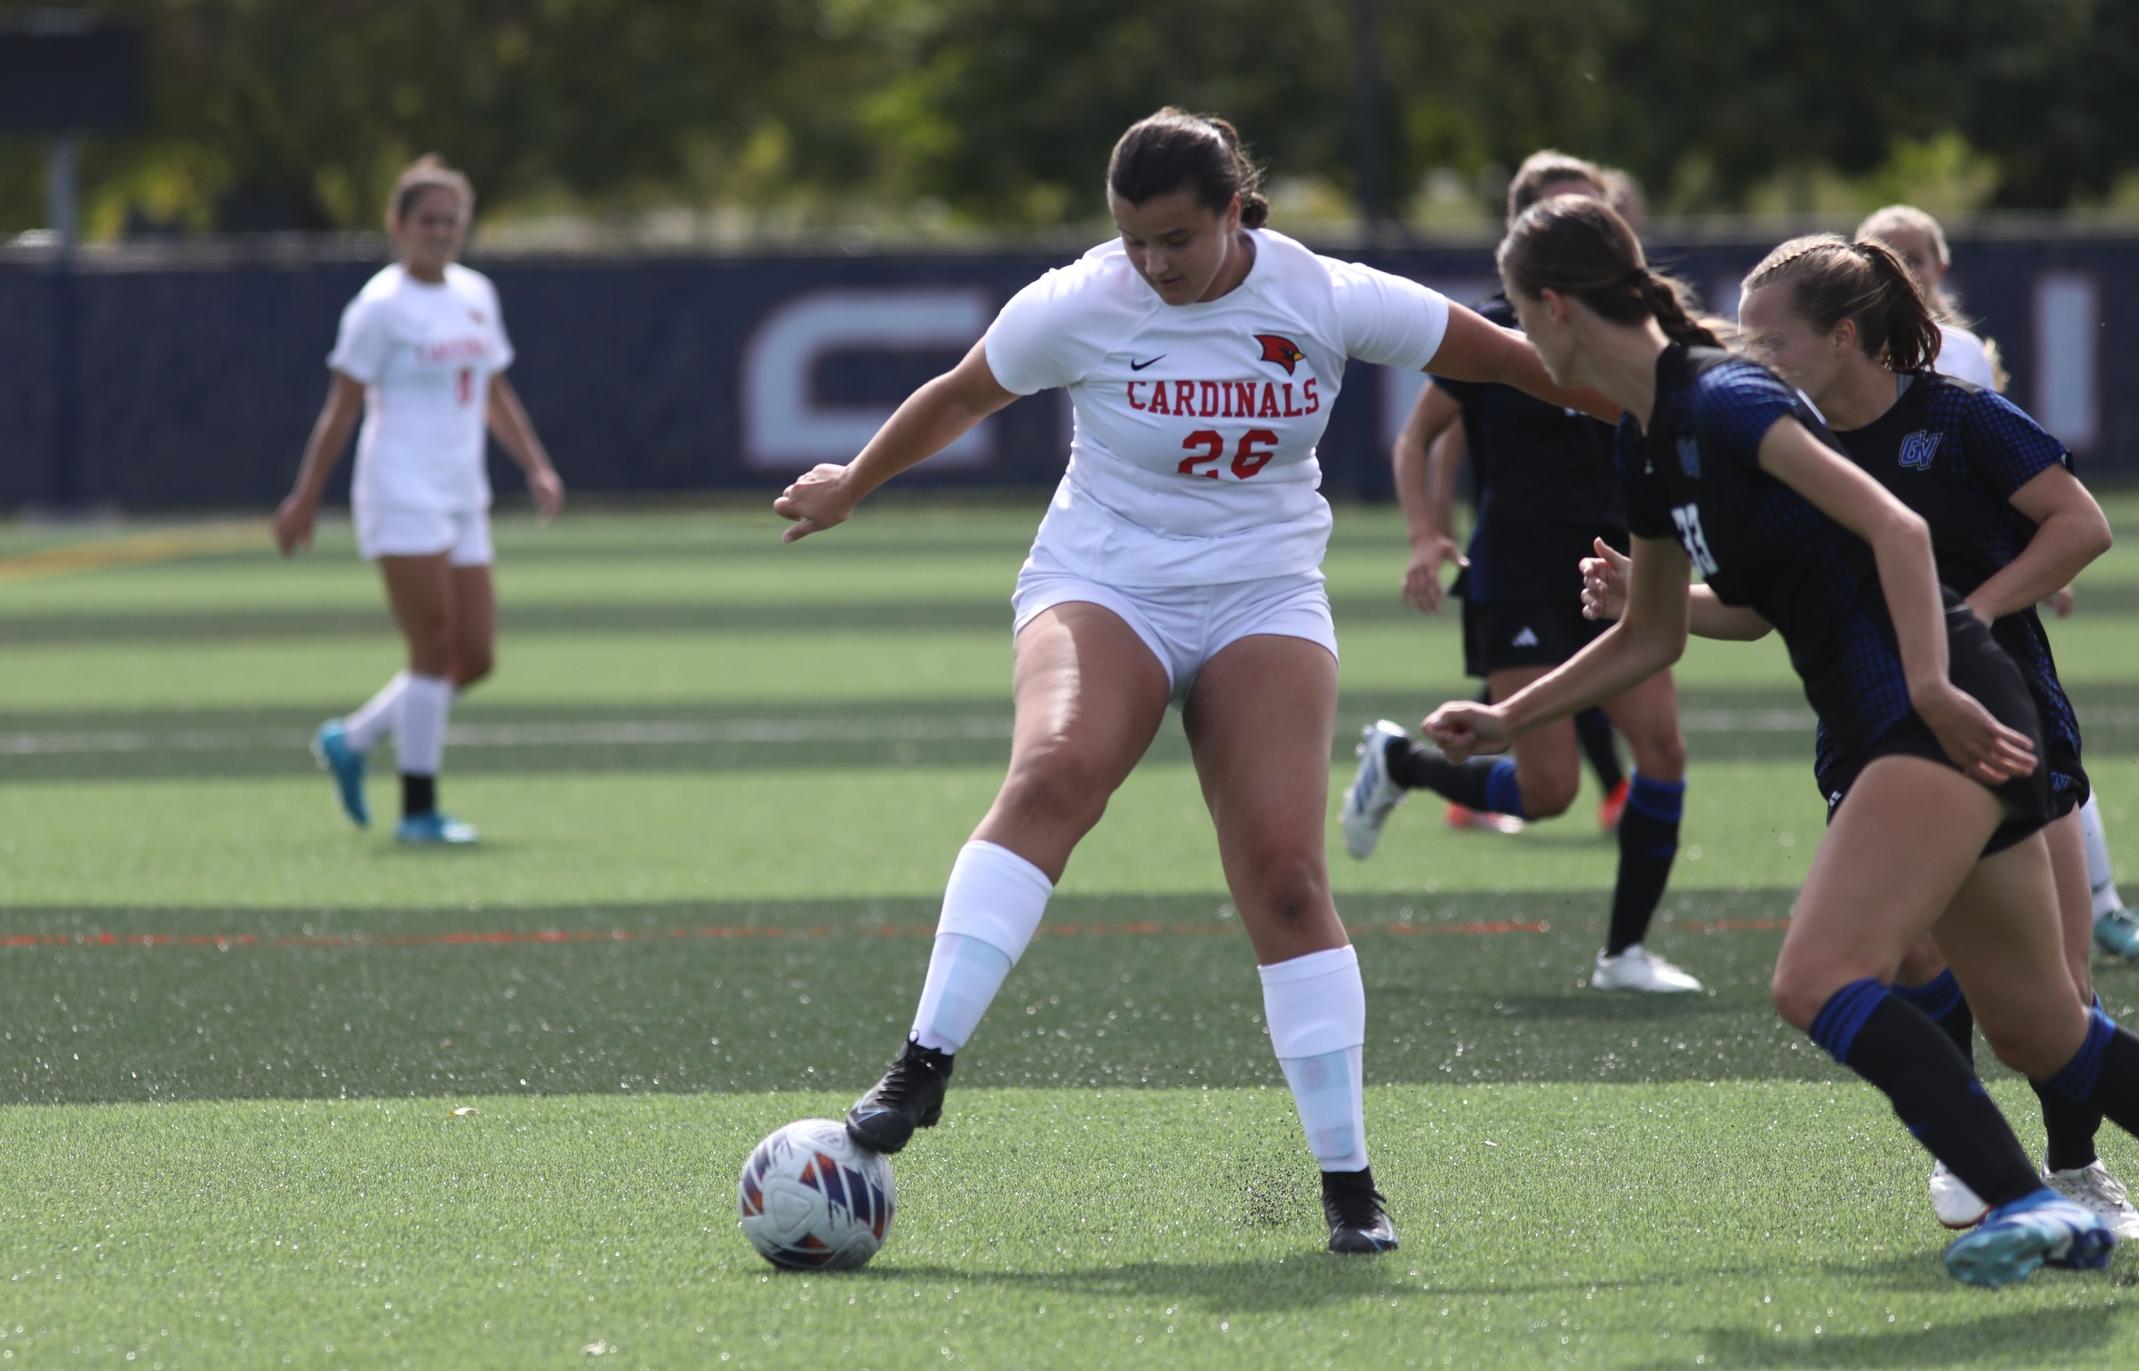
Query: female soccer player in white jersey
[[1179, 563], [421, 355], [1921, 244], [1931, 743]]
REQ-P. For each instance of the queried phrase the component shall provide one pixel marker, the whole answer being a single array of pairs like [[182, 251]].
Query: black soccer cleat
[[910, 1096], [1358, 1222]]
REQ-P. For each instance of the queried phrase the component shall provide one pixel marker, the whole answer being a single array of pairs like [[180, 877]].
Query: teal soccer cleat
[[331, 749], [434, 829], [2042, 1229], [2116, 933]]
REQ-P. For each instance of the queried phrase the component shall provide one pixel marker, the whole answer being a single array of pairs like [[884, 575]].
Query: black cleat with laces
[[1357, 1220], [910, 1096]]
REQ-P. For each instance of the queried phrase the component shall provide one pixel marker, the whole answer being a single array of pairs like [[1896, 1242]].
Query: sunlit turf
[[1543, 1225], [720, 783]]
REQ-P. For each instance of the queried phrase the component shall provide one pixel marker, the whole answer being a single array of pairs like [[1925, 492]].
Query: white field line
[[858, 727]]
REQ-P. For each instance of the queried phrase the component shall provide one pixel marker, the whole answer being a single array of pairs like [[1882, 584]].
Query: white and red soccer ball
[[812, 1199]]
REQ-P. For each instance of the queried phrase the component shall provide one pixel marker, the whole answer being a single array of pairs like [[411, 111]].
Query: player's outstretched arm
[[931, 419], [515, 432], [338, 417], [1476, 349], [1649, 638]]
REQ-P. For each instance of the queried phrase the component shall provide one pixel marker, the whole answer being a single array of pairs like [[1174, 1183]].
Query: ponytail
[[1671, 305], [1831, 279], [1254, 205], [1906, 322], [1579, 246]]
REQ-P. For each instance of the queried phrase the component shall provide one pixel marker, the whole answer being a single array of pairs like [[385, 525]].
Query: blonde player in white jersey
[[1179, 562], [421, 355], [1920, 242]]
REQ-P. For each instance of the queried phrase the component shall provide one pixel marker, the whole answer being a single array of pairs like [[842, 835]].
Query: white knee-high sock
[[420, 733], [2099, 873], [374, 719], [991, 908], [1316, 1007]]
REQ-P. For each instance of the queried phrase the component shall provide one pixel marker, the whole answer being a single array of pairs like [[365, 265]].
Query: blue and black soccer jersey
[[1955, 453], [1695, 477], [1535, 468]]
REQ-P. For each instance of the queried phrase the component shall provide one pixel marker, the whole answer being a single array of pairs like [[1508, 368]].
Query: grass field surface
[[720, 783]]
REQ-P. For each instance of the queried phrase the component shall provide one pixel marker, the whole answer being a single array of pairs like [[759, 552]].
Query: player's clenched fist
[[1464, 729], [816, 501]]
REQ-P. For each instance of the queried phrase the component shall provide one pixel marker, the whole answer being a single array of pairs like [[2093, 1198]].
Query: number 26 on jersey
[[1207, 450]]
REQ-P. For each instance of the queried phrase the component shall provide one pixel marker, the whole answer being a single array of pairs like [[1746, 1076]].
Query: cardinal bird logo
[[1280, 349]]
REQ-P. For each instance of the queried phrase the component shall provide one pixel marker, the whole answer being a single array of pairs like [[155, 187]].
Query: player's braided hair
[[1830, 279], [1175, 150], [428, 172], [1580, 247]]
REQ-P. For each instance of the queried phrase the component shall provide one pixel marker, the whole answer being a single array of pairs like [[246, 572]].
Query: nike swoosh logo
[[1139, 366]]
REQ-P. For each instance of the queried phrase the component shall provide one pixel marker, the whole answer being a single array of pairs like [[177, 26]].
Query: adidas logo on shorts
[[1526, 638]]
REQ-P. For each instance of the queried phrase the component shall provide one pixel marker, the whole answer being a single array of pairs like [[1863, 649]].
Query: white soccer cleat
[[1637, 968], [2092, 1188], [1373, 793], [1953, 1202]]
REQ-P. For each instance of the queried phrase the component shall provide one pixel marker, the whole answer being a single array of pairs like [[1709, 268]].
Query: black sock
[[419, 795], [2068, 1130], [1648, 841], [1890, 1043], [1941, 1001], [1481, 783], [2102, 1078], [1594, 728]]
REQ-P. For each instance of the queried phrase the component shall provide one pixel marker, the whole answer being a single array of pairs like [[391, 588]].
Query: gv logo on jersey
[[1280, 349], [1690, 457], [1917, 450]]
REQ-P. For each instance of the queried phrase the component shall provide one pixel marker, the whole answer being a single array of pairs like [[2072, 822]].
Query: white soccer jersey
[[425, 354], [1962, 357], [1193, 461]]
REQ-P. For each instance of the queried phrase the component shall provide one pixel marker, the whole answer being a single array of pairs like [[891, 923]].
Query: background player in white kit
[[1920, 242], [421, 354], [1179, 561]]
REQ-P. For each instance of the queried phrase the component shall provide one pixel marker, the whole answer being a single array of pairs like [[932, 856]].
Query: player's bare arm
[[323, 452], [2070, 532], [508, 422], [1477, 349], [1422, 464], [1908, 578], [931, 419]]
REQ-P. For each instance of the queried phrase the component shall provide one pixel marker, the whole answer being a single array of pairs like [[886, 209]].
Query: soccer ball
[[813, 1199]]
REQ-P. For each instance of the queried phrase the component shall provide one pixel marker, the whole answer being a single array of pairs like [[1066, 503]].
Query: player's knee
[[1546, 794], [1920, 965], [1052, 786], [1798, 999], [1661, 757], [431, 647], [1293, 887], [473, 665], [2028, 1050]]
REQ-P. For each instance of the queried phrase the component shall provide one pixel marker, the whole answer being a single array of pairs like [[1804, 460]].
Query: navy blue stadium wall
[[195, 386]]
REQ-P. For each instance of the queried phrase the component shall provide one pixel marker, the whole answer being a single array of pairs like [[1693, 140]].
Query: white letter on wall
[[786, 429]]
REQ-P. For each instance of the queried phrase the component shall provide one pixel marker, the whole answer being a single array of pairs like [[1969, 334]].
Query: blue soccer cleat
[[434, 829], [2042, 1229], [331, 749], [2116, 933]]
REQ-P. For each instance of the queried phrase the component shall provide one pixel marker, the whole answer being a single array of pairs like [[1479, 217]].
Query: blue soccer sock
[[1648, 843], [1941, 1001], [1889, 1042]]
